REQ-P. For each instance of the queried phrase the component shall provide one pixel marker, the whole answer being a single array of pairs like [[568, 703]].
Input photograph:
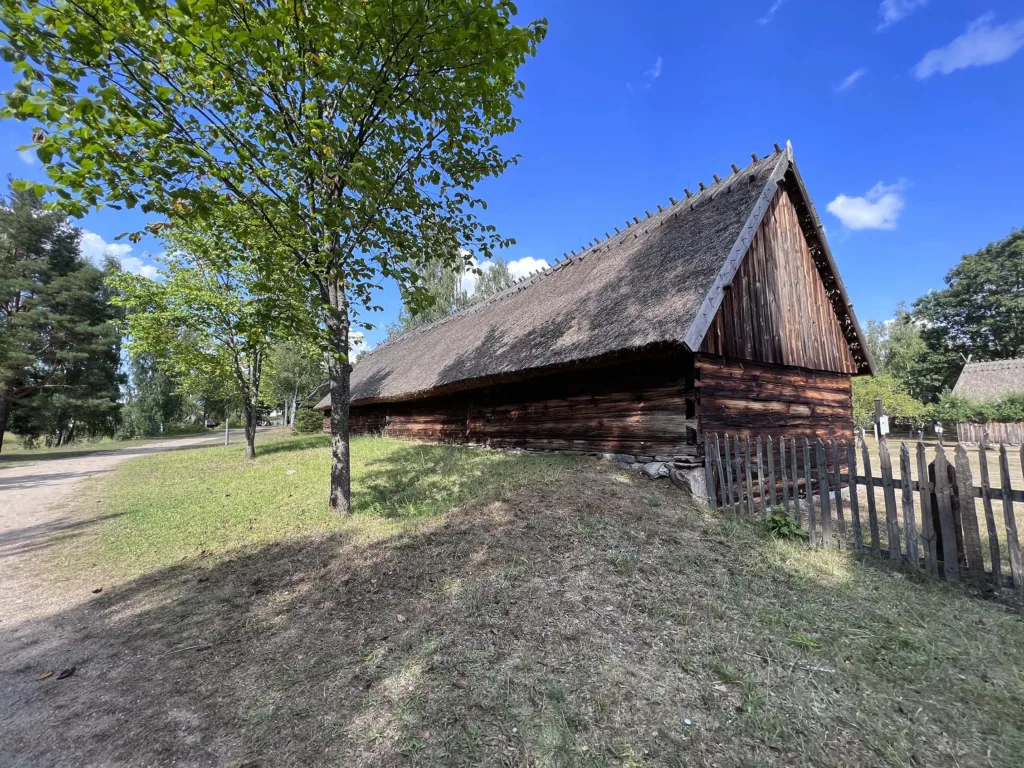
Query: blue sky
[[905, 116]]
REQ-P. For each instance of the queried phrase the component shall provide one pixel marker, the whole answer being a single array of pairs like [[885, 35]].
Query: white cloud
[[850, 79], [893, 11], [524, 266], [470, 278], [655, 72], [771, 12], [136, 266], [879, 208], [981, 44], [96, 249], [356, 343], [27, 156]]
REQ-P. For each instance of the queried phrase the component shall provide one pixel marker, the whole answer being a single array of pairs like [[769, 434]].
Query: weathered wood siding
[[642, 407], [777, 309], [753, 399]]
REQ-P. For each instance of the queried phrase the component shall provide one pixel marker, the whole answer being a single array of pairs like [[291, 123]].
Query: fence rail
[[831, 489]]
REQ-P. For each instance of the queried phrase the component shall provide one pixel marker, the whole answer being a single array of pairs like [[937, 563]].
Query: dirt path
[[32, 515]]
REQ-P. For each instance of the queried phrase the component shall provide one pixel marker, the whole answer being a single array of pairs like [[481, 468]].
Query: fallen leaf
[[66, 673], [45, 675]]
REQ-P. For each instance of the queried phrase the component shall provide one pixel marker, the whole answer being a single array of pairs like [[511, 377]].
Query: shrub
[[956, 410], [781, 525], [308, 421]]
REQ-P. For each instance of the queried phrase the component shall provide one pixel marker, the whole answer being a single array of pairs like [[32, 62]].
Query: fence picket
[[968, 510], [990, 519], [749, 473], [728, 473], [892, 524], [931, 561], [738, 472], [720, 470], [772, 498], [869, 484], [944, 499], [838, 484], [709, 473], [826, 506], [909, 523], [782, 470], [760, 480], [851, 462], [1012, 542], [807, 494], [795, 477]]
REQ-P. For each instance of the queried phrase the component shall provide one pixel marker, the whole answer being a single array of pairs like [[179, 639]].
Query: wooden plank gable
[[777, 309]]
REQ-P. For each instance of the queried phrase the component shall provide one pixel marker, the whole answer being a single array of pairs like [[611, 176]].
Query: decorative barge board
[[721, 313]]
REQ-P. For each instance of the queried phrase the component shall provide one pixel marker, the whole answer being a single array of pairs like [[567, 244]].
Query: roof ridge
[[706, 193], [993, 363]]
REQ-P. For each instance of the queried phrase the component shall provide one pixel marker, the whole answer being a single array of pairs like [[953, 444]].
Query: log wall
[[643, 407], [753, 399], [777, 309]]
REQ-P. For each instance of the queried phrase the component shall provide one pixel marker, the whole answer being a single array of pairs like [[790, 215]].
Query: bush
[[781, 525], [184, 428], [956, 410], [308, 421]]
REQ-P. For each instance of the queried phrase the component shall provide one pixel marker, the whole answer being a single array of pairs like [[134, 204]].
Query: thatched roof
[[657, 283], [979, 382]]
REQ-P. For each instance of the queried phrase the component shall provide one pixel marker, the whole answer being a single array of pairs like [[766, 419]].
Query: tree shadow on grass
[[562, 619], [424, 480], [33, 538], [292, 444]]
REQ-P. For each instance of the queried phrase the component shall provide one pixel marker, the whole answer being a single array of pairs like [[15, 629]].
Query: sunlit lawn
[[485, 608]]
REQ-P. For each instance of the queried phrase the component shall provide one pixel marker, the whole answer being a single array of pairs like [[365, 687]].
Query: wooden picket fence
[[1010, 433], [933, 525]]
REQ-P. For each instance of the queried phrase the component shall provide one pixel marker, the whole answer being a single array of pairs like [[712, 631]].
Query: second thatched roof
[[658, 282], [980, 382]]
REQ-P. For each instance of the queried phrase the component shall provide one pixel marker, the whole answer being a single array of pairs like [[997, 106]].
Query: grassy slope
[[487, 609]]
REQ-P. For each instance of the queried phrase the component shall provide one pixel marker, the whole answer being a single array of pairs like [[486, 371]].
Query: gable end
[[779, 307]]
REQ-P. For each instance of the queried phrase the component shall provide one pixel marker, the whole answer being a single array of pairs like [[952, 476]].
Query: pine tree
[[59, 335]]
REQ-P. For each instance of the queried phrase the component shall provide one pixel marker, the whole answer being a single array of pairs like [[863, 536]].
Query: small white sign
[[883, 425]]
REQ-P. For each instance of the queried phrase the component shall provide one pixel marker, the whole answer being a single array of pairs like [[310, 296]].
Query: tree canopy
[[979, 315], [59, 335], [353, 132], [445, 294], [210, 319]]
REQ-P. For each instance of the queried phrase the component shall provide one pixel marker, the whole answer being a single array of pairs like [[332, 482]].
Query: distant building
[[720, 312], [985, 382], [982, 382]]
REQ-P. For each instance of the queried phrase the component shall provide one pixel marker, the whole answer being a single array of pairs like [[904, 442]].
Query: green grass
[[482, 608], [13, 451], [189, 503]]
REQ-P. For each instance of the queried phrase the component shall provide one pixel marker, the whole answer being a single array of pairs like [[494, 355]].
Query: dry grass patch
[[542, 612]]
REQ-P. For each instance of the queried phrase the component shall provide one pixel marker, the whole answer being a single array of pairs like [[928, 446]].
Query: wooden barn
[[720, 312]]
